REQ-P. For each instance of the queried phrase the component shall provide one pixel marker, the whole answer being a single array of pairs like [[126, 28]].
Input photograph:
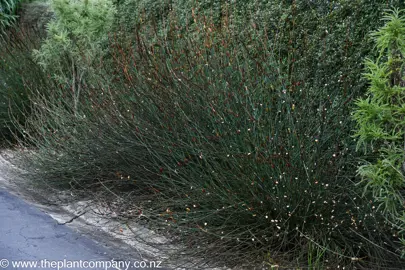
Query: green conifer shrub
[[380, 119]]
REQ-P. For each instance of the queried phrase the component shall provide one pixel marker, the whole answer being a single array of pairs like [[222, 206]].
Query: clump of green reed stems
[[20, 76], [207, 139]]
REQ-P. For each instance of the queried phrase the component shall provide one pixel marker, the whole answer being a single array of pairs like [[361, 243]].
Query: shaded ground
[[29, 234]]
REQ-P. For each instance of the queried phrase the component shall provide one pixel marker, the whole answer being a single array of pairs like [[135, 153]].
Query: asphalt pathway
[[28, 234]]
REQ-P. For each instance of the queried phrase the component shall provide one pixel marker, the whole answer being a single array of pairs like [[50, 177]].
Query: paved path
[[28, 234]]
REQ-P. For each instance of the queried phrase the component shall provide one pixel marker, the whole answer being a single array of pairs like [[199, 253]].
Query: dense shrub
[[210, 135], [380, 118], [75, 40], [324, 43]]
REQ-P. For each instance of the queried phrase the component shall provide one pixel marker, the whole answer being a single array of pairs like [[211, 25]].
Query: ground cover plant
[[230, 132]]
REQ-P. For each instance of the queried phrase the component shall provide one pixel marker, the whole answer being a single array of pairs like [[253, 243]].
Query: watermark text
[[79, 264]]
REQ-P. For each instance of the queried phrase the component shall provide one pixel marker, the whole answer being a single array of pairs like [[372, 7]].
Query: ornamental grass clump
[[20, 77], [203, 138], [237, 163]]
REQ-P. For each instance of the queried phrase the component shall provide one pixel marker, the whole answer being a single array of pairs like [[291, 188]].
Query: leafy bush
[[8, 16], [380, 119], [75, 40], [205, 136]]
